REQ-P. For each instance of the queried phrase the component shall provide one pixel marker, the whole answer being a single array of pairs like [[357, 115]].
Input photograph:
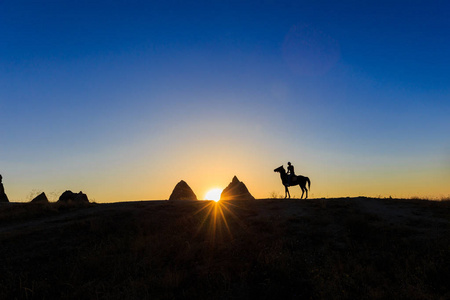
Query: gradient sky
[[123, 99]]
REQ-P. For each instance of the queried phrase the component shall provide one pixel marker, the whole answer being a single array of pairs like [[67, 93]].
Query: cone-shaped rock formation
[[3, 197], [69, 196], [236, 190], [41, 198], [182, 191]]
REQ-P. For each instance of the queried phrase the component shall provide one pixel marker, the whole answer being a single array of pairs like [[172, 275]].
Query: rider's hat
[[289, 162]]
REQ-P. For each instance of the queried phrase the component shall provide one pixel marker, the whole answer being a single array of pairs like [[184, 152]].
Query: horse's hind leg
[[303, 191]]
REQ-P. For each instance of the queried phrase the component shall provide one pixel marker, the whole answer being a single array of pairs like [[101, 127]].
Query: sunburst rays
[[216, 221]]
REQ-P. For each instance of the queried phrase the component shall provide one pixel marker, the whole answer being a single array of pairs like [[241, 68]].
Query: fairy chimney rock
[[236, 190], [182, 191], [41, 198], [71, 197], [3, 197]]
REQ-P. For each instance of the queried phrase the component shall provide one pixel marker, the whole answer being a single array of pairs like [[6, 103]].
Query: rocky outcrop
[[3, 197], [236, 190], [41, 198], [70, 197], [182, 191]]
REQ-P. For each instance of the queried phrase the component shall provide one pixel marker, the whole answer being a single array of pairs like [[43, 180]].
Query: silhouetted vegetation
[[265, 249]]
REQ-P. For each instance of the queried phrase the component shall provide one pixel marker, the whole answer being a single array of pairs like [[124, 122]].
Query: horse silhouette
[[295, 180]]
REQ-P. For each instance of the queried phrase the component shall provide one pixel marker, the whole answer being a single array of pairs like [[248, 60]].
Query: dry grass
[[16, 212], [313, 249]]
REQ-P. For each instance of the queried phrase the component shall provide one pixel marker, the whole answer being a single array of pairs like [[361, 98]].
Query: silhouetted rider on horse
[[290, 173], [290, 179]]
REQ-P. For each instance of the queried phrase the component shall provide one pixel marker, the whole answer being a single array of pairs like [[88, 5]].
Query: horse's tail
[[309, 183]]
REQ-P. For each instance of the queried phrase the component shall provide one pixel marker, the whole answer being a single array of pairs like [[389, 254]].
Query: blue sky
[[124, 99]]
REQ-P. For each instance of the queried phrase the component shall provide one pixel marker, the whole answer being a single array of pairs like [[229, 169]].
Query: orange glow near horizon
[[213, 194]]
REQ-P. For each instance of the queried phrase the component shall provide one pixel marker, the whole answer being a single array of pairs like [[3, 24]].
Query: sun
[[213, 194]]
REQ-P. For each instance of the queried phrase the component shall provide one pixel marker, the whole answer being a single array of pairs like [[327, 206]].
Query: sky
[[123, 99]]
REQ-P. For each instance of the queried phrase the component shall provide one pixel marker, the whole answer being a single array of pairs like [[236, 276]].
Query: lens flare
[[215, 221]]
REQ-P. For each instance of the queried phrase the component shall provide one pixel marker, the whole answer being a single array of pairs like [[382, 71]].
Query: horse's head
[[280, 169]]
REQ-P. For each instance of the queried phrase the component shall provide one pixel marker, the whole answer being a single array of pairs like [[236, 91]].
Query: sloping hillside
[[271, 248]]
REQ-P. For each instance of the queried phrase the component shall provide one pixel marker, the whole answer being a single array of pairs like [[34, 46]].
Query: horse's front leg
[[286, 191]]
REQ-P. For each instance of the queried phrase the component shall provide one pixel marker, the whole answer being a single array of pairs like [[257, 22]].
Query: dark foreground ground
[[263, 249]]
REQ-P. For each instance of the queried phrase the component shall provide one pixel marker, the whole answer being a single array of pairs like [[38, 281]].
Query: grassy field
[[346, 248]]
